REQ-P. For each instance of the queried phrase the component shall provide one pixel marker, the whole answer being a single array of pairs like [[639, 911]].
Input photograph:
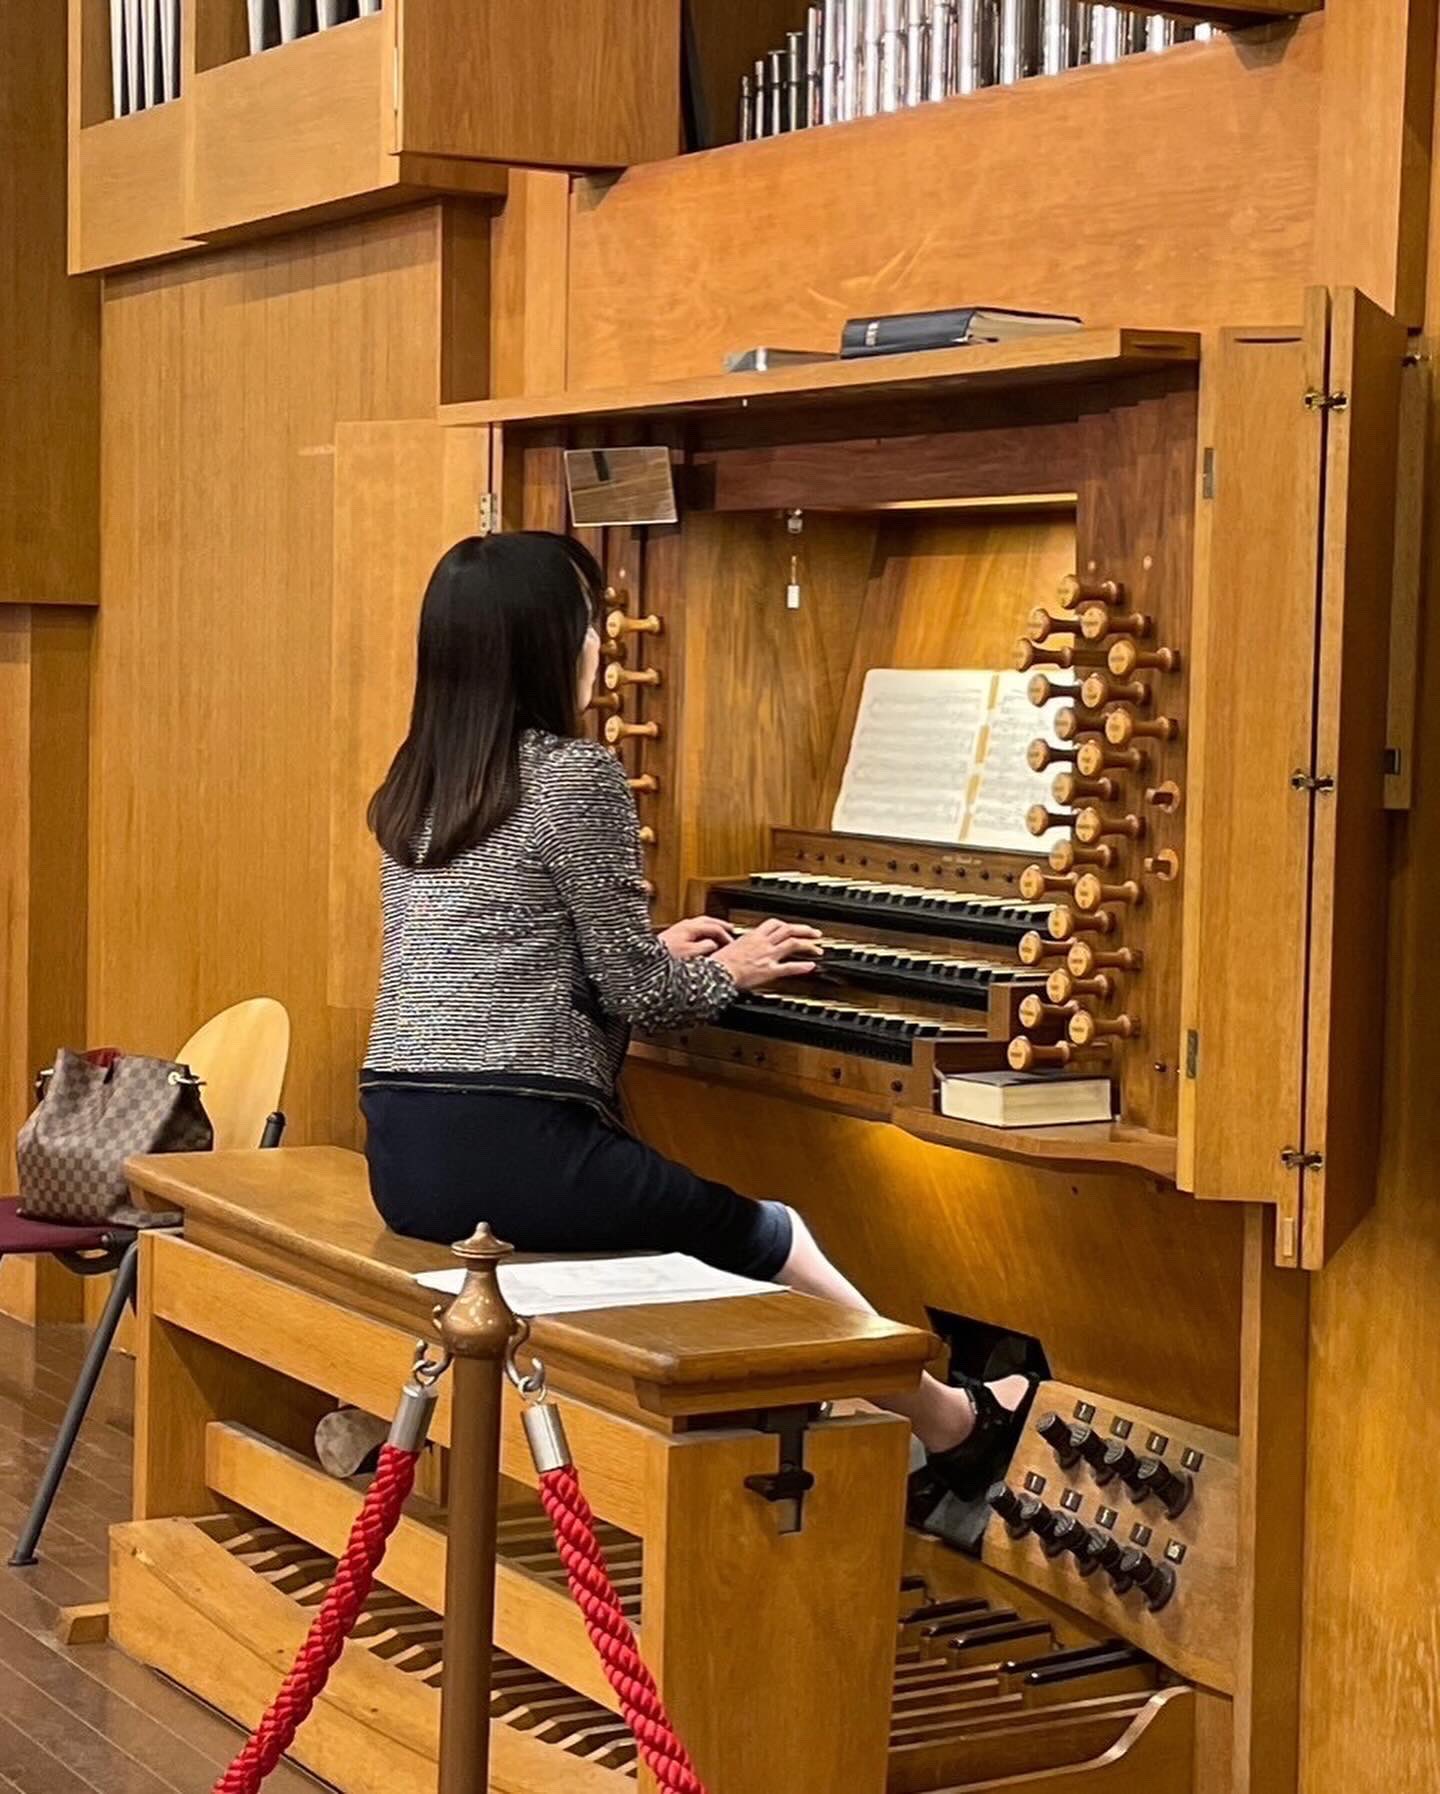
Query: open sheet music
[[940, 756]]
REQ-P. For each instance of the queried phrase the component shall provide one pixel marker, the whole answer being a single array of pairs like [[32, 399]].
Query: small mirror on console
[[619, 485]]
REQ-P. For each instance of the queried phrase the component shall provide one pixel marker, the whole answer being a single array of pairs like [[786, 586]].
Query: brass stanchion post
[[476, 1329]]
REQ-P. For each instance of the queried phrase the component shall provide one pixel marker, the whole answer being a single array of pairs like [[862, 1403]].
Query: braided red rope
[[354, 1575], [610, 1633]]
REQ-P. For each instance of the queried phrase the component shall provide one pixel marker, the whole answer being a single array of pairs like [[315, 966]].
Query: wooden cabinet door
[[1285, 898]]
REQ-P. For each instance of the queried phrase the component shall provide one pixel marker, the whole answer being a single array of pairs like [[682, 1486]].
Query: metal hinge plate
[[1326, 401], [489, 513], [1294, 1160], [1322, 783]]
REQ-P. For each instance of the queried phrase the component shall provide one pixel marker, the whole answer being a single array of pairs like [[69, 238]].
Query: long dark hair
[[501, 629]]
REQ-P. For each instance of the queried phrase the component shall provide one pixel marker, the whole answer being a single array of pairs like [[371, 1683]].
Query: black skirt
[[550, 1174]]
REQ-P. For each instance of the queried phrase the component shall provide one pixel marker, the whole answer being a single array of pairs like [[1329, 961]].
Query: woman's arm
[[586, 838]]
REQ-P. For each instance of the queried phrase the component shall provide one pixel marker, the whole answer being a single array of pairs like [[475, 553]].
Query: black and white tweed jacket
[[524, 963]]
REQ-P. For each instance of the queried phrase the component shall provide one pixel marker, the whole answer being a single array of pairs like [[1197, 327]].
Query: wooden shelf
[[1092, 1146], [1100, 353]]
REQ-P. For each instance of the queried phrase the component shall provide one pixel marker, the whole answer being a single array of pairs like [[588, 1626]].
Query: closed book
[[1024, 1098], [903, 332]]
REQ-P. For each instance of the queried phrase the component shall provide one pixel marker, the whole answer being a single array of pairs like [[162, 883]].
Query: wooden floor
[[87, 1720]]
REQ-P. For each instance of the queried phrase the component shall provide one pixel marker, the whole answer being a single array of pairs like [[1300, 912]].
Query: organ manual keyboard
[[1171, 877]]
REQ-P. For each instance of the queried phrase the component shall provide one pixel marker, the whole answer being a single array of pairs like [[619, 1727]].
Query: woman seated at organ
[[518, 953]]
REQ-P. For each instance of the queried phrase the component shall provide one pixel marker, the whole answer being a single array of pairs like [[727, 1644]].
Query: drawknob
[[1019, 1512], [1066, 855], [1084, 958], [615, 730], [1164, 865], [1096, 622], [1041, 754], [1034, 948], [1025, 1055], [1064, 923], [646, 782], [1070, 788], [1035, 883], [1119, 1461], [603, 700], [645, 835], [616, 676], [1034, 1013], [1092, 1448], [1090, 826], [1070, 723], [1085, 1028], [1066, 654], [1040, 821], [1101, 1552], [1172, 1488], [1065, 1533], [1121, 727], [1062, 986], [1125, 658], [1098, 690], [1156, 1582], [1077, 589], [1090, 893], [1059, 1435], [1041, 625], [1093, 757], [1041, 690], [1164, 796], [618, 624]]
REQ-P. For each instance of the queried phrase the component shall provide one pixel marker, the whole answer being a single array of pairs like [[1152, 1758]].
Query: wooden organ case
[[1186, 540]]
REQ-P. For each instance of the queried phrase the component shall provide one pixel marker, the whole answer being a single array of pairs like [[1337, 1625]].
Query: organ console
[[1139, 1263]]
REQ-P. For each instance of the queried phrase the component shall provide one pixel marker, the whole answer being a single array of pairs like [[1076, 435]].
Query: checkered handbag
[[92, 1117]]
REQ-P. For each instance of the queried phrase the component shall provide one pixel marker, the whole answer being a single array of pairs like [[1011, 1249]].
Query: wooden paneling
[[573, 83], [779, 242], [404, 492], [1374, 177], [49, 332], [1023, 1249], [1372, 1579], [224, 380], [727, 38], [529, 250], [127, 190], [306, 122]]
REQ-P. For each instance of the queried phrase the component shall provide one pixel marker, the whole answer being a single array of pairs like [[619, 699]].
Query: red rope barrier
[[610, 1633], [354, 1575]]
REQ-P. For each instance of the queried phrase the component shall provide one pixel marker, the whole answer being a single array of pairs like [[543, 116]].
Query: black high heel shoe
[[947, 1497]]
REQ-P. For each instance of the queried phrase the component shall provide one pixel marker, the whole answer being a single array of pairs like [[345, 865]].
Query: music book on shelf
[[1024, 1098], [938, 755]]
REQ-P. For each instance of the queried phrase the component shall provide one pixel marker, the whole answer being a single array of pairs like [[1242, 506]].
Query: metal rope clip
[[411, 1425], [544, 1429]]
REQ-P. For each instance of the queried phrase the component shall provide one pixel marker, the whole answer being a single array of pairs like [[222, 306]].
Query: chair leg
[[24, 1553]]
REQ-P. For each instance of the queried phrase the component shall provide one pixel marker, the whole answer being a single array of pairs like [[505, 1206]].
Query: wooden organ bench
[[811, 1652]]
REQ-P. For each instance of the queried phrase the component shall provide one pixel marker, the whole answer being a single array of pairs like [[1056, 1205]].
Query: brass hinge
[[1326, 401], [1322, 783], [1294, 1160], [489, 513]]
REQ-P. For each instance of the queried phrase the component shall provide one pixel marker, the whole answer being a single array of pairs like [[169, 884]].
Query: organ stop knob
[[1101, 1552], [617, 675], [1119, 1461], [1035, 883], [1071, 788], [1065, 923], [1135, 1569], [1077, 589], [1091, 892], [1091, 1447], [616, 730], [1070, 723], [1096, 623], [1034, 654], [1059, 1435], [1041, 754], [1085, 1028], [1125, 658], [1093, 757], [1121, 727], [1019, 1512], [1062, 986], [1066, 855], [1041, 625], [1171, 1487], [1025, 1055], [1035, 1013], [1098, 691], [1042, 690], [618, 624], [1091, 826], [1035, 948]]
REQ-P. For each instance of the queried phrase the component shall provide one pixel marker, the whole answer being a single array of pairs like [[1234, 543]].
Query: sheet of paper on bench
[[568, 1286]]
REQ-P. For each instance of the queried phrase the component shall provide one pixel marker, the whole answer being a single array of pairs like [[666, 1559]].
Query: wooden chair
[[240, 1057]]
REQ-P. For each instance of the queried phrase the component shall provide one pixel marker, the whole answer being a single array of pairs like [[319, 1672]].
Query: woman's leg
[[941, 1417]]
